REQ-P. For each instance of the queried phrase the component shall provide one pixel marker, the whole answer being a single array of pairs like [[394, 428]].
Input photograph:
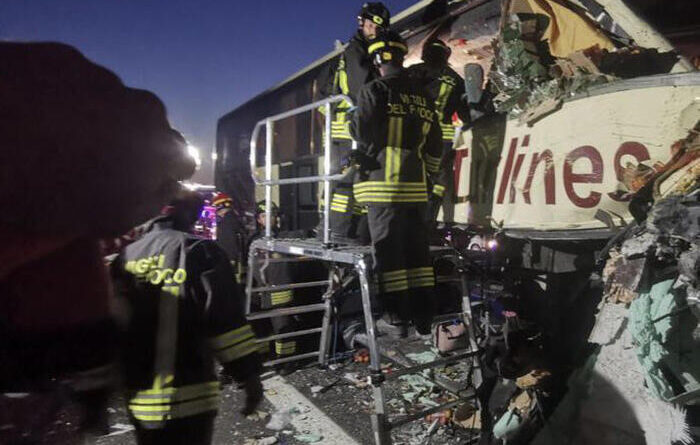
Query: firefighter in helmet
[[354, 69], [399, 140], [186, 311], [446, 90], [229, 229]]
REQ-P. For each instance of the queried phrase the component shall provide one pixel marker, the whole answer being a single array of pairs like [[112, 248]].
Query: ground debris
[[622, 274], [533, 378], [355, 380], [442, 417], [423, 357], [281, 419], [308, 438], [257, 415], [467, 416], [271, 440]]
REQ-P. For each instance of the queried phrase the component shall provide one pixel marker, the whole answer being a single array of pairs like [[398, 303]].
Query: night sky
[[202, 58]]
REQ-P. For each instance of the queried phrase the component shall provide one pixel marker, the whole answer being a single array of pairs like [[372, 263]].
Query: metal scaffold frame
[[359, 258]]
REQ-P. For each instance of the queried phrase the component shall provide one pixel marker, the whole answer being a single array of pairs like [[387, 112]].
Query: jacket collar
[[160, 223]]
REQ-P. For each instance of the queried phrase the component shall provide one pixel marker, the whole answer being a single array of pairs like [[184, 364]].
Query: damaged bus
[[582, 152]]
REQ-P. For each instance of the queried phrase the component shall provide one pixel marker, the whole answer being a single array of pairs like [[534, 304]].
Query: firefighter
[[228, 229], [354, 69], [185, 311], [398, 135], [275, 273], [446, 89]]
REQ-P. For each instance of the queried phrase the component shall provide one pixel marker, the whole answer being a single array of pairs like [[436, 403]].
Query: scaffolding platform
[[347, 264], [355, 263]]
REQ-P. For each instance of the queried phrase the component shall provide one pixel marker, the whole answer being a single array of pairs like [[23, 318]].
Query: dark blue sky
[[201, 57]]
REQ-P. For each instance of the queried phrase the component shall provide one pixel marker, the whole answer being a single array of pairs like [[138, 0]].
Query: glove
[[364, 161], [253, 394]]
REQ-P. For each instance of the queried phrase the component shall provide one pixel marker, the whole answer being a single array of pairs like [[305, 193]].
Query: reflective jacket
[[395, 125], [185, 311], [354, 70], [446, 88]]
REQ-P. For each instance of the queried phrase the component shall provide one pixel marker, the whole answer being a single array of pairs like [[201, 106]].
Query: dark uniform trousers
[[402, 262], [399, 145], [193, 430]]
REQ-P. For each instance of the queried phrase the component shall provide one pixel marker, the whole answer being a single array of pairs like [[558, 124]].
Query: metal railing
[[268, 182]]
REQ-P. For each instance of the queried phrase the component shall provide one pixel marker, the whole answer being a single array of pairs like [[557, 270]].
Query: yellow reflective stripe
[[240, 342], [420, 271], [447, 128], [399, 133], [237, 351], [407, 194], [404, 186], [375, 46], [394, 286], [357, 209], [281, 297], [264, 347], [187, 390], [421, 282], [441, 101], [421, 277], [231, 337], [392, 199], [425, 130], [393, 281], [176, 393], [285, 348], [439, 190], [234, 344], [340, 125], [448, 132], [183, 409], [389, 155], [432, 163], [393, 164], [402, 195], [394, 273], [339, 203], [342, 77], [393, 150]]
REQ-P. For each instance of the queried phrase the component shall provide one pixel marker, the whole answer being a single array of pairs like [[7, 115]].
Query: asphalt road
[[337, 414]]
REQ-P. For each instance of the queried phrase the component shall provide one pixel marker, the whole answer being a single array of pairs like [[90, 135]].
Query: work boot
[[350, 331]]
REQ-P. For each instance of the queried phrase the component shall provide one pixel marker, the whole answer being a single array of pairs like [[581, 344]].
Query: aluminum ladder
[[359, 258]]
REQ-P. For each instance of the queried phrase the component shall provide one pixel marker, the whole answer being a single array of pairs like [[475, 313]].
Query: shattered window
[[468, 34]]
